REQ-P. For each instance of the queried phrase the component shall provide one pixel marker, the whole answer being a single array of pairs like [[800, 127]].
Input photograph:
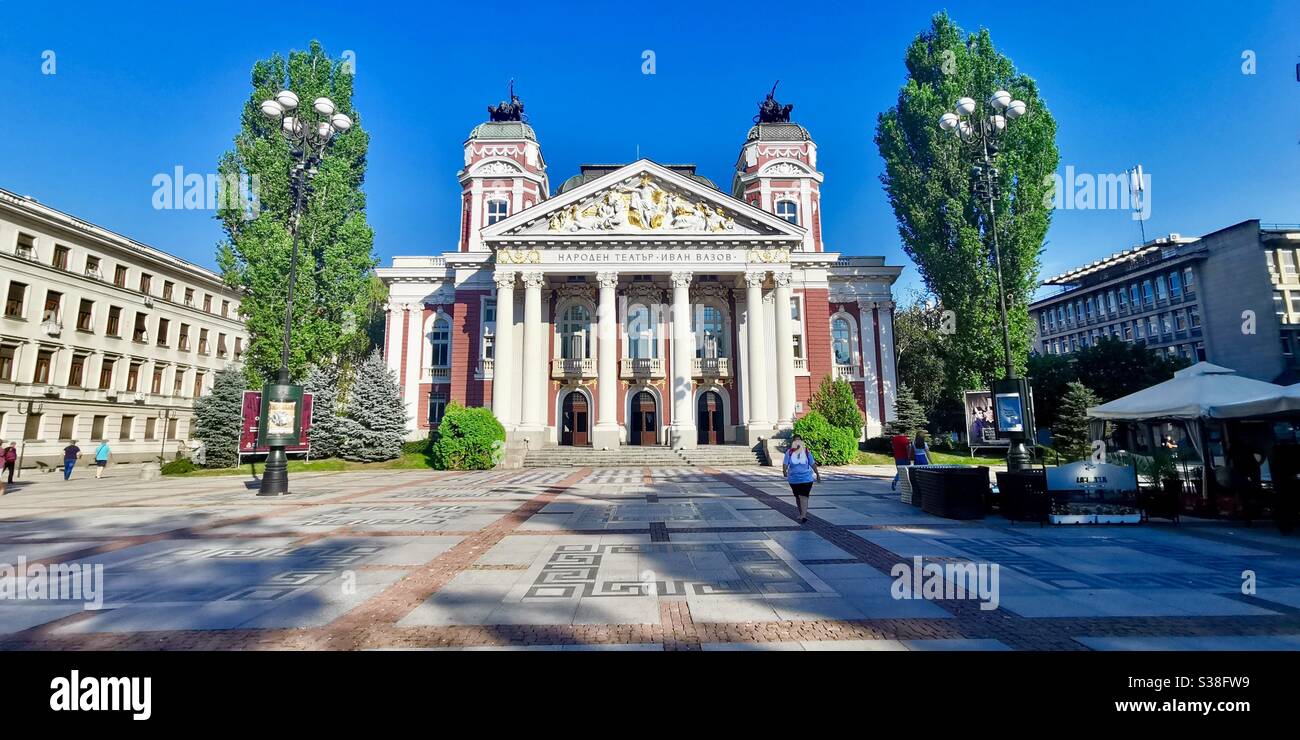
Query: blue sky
[[140, 90]]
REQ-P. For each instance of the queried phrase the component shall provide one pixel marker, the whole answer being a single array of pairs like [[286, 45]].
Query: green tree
[[1070, 434], [468, 439], [334, 297], [830, 445], [219, 417], [922, 351], [909, 417], [323, 382], [928, 180], [1111, 367], [1049, 376], [834, 399], [375, 423]]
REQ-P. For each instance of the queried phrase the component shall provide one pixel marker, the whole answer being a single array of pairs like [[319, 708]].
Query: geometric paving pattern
[[663, 559]]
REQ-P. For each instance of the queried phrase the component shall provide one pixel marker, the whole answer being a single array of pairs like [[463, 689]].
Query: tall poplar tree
[[928, 180], [335, 297]]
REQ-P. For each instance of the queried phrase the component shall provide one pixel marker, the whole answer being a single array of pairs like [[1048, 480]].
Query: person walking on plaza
[[902, 455], [101, 457], [800, 468], [11, 460], [70, 455], [920, 451]]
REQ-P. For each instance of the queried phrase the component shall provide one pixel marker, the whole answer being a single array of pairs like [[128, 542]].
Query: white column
[[606, 433], [533, 361], [682, 433], [503, 372], [870, 371], [784, 352], [392, 338], [758, 424], [414, 347], [885, 311]]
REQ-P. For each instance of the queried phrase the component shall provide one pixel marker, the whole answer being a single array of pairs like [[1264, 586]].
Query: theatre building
[[639, 304]]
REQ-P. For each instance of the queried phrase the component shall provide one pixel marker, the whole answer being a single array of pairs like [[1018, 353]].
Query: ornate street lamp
[[979, 127], [309, 133]]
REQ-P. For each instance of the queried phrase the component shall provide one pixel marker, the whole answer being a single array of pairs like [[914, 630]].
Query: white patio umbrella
[[1288, 401], [1194, 392]]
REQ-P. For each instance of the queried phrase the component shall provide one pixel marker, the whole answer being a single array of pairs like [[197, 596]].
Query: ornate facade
[[639, 304]]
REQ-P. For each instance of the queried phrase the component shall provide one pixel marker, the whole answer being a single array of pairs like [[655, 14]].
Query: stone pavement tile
[[1202, 604], [548, 611], [639, 647], [1110, 560], [407, 550], [219, 615], [878, 586], [515, 550], [16, 617], [812, 608], [1223, 642], [955, 644], [705, 609], [847, 572], [514, 648], [317, 607], [804, 545], [617, 610], [1049, 605], [1121, 603], [718, 647], [885, 606], [854, 645]]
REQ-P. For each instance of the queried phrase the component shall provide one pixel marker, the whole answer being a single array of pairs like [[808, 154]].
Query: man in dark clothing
[[10, 456], [70, 455]]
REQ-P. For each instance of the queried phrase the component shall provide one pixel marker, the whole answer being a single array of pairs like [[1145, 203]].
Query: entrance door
[[644, 419], [709, 419], [573, 422]]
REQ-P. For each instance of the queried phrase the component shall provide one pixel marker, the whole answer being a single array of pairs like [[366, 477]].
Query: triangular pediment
[[643, 199]]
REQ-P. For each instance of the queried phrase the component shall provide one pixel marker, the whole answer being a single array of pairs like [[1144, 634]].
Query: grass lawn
[[408, 461], [939, 458]]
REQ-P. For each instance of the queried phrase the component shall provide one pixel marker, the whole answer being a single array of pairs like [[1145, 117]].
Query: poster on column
[[248, 432], [979, 414]]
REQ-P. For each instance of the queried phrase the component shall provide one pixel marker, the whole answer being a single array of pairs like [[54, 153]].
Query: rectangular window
[[1147, 295], [207, 303], [1123, 297], [437, 407], [119, 276], [1091, 308], [97, 427], [141, 331], [8, 354], [124, 432], [155, 386], [133, 378], [92, 268], [788, 210], [168, 288], [239, 347], [43, 362], [203, 341], [67, 427], [1180, 320], [32, 427], [189, 297], [114, 321], [53, 304], [86, 315], [61, 257], [77, 374], [198, 384], [1295, 303], [1194, 318], [146, 282], [106, 374], [1175, 285], [178, 379], [26, 247], [225, 308], [1162, 290], [1133, 294], [1166, 323], [151, 428], [184, 341], [497, 210], [171, 428], [1287, 260], [15, 299], [1128, 332], [221, 347], [164, 331], [1188, 284]]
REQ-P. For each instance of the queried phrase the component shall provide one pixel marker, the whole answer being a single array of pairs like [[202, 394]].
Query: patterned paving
[[662, 559]]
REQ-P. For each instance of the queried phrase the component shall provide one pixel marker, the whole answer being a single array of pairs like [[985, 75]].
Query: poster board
[[979, 414], [248, 431]]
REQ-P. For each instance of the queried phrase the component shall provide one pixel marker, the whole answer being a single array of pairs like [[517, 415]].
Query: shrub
[[179, 466], [835, 400], [831, 445], [418, 447], [468, 439]]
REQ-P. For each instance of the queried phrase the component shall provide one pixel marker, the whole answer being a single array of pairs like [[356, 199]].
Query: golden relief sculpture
[[518, 256], [767, 255], [641, 206]]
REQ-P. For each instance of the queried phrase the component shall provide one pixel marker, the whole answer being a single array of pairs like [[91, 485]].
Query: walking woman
[[920, 451], [101, 457], [800, 468]]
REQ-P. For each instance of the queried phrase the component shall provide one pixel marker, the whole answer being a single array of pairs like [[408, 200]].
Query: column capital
[[607, 279], [504, 279], [682, 279], [755, 278], [533, 279], [783, 279]]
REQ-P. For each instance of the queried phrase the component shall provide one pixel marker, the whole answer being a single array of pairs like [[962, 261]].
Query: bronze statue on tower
[[771, 111], [512, 111]]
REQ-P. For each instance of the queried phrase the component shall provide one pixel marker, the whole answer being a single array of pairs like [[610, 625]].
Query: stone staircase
[[555, 456]]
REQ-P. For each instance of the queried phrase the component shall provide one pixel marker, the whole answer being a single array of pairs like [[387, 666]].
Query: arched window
[[842, 342], [711, 330], [441, 339], [641, 343], [788, 210], [575, 333]]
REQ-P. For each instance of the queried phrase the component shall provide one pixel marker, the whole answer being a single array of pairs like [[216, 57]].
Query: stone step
[[634, 456]]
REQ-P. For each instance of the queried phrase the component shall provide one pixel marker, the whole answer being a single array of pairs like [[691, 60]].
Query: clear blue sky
[[140, 90]]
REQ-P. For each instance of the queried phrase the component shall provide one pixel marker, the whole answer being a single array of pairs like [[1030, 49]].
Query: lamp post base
[[1018, 456], [275, 476]]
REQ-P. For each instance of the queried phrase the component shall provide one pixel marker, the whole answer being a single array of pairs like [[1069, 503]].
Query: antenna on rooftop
[[1137, 189]]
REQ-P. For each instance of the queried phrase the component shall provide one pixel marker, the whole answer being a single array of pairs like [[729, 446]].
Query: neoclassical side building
[[639, 304]]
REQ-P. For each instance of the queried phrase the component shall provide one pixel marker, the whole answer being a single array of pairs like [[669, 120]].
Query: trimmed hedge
[[468, 439], [831, 445]]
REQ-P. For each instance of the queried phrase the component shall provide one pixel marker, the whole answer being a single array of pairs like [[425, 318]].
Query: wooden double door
[[575, 421], [710, 418], [644, 423]]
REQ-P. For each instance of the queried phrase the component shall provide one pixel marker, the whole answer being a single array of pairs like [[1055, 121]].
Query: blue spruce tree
[[375, 423]]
